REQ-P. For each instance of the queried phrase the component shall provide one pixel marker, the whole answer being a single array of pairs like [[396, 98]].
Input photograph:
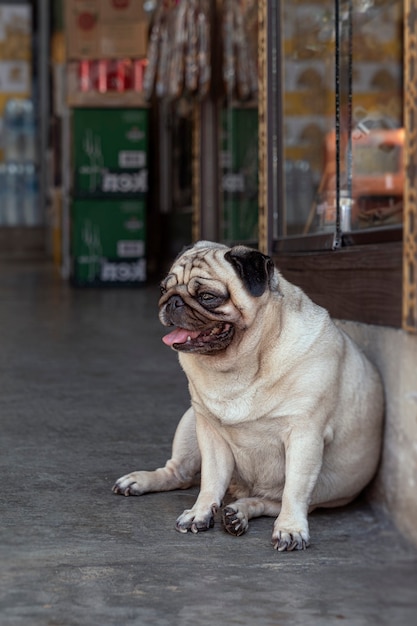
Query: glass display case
[[340, 139]]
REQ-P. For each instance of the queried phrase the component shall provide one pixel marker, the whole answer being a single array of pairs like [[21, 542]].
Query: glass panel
[[342, 132], [239, 163], [239, 123]]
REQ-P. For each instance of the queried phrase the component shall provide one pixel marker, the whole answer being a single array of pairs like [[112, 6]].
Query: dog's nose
[[175, 302]]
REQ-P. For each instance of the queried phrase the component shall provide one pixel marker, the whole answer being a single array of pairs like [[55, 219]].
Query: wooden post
[[410, 167]]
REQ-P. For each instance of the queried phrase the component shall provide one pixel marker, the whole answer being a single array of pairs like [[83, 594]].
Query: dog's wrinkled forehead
[[195, 265], [208, 262]]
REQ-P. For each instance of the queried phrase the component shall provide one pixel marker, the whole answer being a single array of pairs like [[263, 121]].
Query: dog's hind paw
[[234, 521]]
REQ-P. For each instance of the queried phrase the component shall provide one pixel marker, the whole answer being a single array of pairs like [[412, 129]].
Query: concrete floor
[[88, 393]]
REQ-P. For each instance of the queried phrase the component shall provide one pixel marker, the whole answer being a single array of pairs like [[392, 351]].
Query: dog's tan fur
[[287, 416]]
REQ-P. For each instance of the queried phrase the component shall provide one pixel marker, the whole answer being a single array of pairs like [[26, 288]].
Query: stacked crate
[[105, 52], [108, 209]]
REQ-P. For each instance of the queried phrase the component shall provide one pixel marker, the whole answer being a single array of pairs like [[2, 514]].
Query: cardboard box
[[123, 39], [82, 28], [110, 152], [16, 32], [108, 242], [98, 29], [15, 77], [122, 11]]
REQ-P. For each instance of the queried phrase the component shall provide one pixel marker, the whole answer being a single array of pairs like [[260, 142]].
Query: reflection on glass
[[239, 168], [356, 158]]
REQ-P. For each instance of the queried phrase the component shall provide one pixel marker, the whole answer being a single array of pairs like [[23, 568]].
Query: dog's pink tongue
[[179, 335]]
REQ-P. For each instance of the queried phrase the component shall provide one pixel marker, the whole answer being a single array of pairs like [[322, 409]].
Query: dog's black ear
[[254, 268]]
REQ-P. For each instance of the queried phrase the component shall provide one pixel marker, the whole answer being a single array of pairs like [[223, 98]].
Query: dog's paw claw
[[188, 522], [121, 491], [288, 542], [128, 485], [234, 522], [118, 490]]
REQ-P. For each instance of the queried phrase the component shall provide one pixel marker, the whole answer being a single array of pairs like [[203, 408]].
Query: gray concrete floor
[[88, 393]]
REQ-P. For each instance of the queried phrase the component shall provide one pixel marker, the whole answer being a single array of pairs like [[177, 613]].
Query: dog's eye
[[206, 296], [163, 289], [209, 300]]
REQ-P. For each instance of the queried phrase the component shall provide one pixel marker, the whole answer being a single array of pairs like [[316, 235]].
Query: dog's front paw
[[194, 521], [133, 484], [285, 539], [235, 521]]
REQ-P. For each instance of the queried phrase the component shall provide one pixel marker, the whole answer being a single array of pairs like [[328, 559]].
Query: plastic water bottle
[[13, 127], [3, 185], [19, 131], [29, 132], [13, 200]]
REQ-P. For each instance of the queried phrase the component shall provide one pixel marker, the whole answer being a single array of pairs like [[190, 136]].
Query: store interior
[[97, 133], [130, 129]]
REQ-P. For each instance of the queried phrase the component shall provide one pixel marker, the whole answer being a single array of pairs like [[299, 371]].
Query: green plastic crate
[[110, 152], [108, 242]]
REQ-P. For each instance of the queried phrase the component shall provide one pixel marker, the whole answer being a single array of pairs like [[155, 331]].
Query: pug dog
[[286, 411]]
